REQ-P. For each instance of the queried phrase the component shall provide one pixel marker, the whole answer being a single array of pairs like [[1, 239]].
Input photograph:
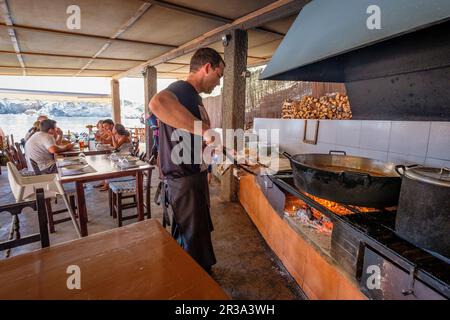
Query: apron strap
[[165, 204], [157, 198]]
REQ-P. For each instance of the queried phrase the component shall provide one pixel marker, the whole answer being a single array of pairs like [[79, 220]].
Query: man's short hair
[[47, 124], [203, 56], [108, 121]]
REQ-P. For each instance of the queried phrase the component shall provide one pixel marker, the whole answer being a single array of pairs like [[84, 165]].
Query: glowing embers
[[313, 217], [339, 208], [304, 214]]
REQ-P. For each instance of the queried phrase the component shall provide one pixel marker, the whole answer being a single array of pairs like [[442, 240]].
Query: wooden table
[[105, 169], [86, 151], [138, 261]]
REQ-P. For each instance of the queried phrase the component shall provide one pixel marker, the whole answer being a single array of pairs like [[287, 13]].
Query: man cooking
[[178, 107]]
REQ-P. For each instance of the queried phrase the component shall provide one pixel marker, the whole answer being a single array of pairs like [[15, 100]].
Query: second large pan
[[347, 179]]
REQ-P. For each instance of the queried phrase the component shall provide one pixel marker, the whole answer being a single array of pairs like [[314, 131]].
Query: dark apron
[[191, 223]]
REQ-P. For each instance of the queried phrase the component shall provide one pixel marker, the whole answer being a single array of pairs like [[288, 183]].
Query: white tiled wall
[[409, 138], [407, 142]]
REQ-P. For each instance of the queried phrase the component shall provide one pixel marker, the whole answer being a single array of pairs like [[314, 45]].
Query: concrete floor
[[246, 268]]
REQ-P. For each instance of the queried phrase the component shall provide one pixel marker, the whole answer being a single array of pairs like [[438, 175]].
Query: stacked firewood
[[335, 106]]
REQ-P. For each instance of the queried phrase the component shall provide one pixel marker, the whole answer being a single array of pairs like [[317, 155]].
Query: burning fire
[[314, 218], [338, 208], [308, 216]]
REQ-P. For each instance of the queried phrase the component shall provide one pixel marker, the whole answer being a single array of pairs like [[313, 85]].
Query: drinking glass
[[82, 157], [114, 157]]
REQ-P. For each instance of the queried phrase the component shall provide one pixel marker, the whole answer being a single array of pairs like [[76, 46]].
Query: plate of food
[[131, 159], [74, 169], [71, 161]]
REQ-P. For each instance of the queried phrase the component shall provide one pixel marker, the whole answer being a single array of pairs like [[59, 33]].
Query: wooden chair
[[135, 149], [15, 210], [70, 191], [21, 156], [122, 190], [13, 157]]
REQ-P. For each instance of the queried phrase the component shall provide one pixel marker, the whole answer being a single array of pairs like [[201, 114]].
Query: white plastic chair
[[23, 188]]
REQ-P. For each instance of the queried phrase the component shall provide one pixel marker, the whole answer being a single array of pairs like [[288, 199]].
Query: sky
[[131, 89]]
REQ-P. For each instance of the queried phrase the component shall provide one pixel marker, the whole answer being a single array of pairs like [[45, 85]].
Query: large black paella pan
[[347, 179]]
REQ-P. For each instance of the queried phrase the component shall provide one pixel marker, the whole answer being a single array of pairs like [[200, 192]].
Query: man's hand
[[58, 134], [69, 146]]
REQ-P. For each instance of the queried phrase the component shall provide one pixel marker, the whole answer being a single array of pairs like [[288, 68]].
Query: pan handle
[[400, 169], [443, 170], [287, 155], [403, 168], [337, 151]]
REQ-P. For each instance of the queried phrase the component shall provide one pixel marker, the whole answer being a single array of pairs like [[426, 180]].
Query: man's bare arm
[[169, 110], [57, 149], [59, 136]]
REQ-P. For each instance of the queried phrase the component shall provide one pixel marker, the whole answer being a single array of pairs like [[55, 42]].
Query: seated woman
[[35, 127], [121, 141]]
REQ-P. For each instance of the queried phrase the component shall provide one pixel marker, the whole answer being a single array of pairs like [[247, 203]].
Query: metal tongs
[[235, 162]]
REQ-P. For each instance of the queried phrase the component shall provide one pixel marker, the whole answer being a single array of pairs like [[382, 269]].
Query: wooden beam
[[139, 13], [68, 56], [233, 104], [55, 68], [84, 35], [12, 34], [265, 16], [115, 100], [204, 14], [259, 63], [274, 11], [150, 89]]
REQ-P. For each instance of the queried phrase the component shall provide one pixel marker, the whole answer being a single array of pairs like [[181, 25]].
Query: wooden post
[[233, 105], [115, 100], [150, 81]]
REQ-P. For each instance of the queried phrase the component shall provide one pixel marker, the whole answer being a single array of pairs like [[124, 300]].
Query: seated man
[[106, 136], [42, 146]]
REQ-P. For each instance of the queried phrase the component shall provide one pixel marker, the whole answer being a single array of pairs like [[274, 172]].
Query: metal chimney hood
[[398, 72]]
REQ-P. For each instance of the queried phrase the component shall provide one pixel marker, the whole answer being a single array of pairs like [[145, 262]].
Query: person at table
[[42, 146], [106, 136], [121, 139], [35, 127], [177, 107], [100, 131]]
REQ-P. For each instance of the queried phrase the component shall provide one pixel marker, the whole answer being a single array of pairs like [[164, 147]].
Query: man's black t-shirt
[[190, 99]]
